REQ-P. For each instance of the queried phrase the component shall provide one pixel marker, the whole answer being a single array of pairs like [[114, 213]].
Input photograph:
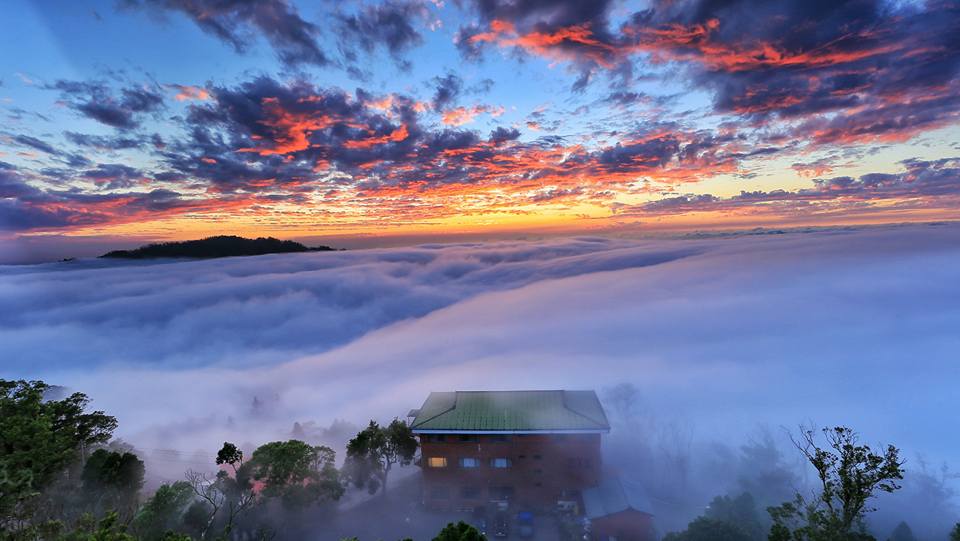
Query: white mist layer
[[836, 327]]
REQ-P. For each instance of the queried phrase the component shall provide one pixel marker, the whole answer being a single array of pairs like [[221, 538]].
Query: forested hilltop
[[219, 246]]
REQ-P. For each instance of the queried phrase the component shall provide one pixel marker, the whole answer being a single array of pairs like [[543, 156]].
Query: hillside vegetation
[[219, 246]]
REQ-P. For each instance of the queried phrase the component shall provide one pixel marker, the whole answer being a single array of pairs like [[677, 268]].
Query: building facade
[[530, 450]]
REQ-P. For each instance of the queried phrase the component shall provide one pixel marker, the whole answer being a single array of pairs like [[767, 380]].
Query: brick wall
[[542, 469]]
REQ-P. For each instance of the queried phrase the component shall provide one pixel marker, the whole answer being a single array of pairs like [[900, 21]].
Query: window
[[578, 463], [437, 462], [501, 493], [468, 437], [500, 438], [499, 462], [537, 457], [440, 493], [436, 437], [469, 463], [470, 492]]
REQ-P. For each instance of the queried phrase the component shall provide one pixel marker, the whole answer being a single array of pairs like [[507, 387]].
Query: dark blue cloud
[[98, 101], [293, 38]]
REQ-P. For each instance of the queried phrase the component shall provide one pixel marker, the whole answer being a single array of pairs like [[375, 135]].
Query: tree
[[902, 533], [163, 512], [41, 437], [295, 472], [740, 512], [850, 474], [374, 451], [955, 533], [109, 528], [707, 529], [113, 479], [763, 472], [461, 531], [233, 495]]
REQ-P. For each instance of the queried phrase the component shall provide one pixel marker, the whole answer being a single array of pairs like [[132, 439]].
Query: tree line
[[63, 479]]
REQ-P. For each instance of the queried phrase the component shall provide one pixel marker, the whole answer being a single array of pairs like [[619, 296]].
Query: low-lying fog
[[718, 336]]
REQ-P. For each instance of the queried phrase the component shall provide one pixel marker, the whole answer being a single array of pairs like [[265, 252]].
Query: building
[[531, 450], [618, 510]]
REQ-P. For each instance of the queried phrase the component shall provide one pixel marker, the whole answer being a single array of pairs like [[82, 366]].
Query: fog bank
[[852, 327]]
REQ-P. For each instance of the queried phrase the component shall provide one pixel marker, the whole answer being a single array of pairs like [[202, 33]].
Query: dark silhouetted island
[[219, 246]]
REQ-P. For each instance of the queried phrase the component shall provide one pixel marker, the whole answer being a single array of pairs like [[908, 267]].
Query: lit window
[[437, 462], [469, 463], [500, 462]]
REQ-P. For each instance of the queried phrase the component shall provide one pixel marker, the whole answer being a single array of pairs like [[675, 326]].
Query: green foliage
[[219, 246], [222, 498], [113, 478], [229, 454], [708, 529], [41, 438], [902, 533], [374, 451], [850, 474], [163, 512], [295, 472], [174, 536], [195, 518], [740, 512], [726, 519], [461, 531], [109, 528], [955, 533]]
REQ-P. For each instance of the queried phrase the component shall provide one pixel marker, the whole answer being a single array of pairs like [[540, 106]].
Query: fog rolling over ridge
[[856, 327]]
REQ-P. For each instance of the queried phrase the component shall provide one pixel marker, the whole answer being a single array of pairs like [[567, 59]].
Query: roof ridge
[[451, 408], [515, 391], [604, 422]]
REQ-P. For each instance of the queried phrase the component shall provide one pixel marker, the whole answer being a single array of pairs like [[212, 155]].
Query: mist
[[722, 341]]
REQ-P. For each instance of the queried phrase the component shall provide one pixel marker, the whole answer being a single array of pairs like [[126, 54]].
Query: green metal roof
[[511, 411]]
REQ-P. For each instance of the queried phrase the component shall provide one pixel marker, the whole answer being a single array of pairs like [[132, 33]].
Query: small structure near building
[[618, 510], [522, 450]]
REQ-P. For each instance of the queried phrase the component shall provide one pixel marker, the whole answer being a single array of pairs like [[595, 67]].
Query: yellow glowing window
[[437, 462]]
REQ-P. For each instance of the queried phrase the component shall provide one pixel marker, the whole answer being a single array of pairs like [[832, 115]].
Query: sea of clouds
[[857, 327]]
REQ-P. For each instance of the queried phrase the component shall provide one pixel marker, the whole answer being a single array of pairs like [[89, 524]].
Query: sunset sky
[[174, 119]]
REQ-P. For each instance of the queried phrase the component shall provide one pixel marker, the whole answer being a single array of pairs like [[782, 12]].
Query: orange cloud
[[458, 116], [292, 129], [395, 136], [550, 44], [186, 92], [695, 43]]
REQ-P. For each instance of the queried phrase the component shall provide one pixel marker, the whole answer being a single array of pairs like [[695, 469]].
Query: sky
[[132, 120]]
